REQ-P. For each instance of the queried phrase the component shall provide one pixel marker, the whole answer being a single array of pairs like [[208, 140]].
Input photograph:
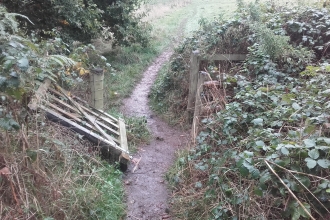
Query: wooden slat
[[88, 132], [88, 117], [114, 120], [55, 92], [106, 114], [124, 157], [59, 101], [122, 136], [96, 110], [97, 120], [76, 110], [74, 117], [99, 116]]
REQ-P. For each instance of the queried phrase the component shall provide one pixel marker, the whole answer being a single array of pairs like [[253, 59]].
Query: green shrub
[[266, 154], [82, 20]]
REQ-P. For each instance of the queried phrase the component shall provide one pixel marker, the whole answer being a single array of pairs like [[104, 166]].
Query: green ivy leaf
[[258, 121], [296, 215], [243, 171], [324, 163], [255, 173], [314, 154], [310, 129], [323, 185], [258, 191], [326, 140], [310, 163], [293, 185], [296, 106], [23, 63], [265, 177], [2, 81], [304, 180], [309, 143], [302, 212], [285, 151], [260, 143], [324, 148], [8, 124]]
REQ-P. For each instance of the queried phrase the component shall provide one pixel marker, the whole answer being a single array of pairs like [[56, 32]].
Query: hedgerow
[[265, 154], [83, 20]]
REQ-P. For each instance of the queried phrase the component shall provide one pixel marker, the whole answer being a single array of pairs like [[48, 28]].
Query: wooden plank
[[59, 101], [193, 79], [198, 105], [122, 136], [95, 114], [84, 130], [76, 110], [87, 109], [95, 111], [74, 117], [54, 91], [229, 57], [124, 157], [105, 114], [99, 116], [88, 117], [40, 93]]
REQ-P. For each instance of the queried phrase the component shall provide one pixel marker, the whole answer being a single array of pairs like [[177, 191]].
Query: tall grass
[[54, 174]]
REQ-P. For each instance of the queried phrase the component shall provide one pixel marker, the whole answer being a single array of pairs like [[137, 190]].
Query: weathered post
[[202, 77], [96, 85], [193, 80]]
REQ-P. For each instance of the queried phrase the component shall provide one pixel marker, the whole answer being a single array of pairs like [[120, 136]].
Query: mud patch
[[146, 189]]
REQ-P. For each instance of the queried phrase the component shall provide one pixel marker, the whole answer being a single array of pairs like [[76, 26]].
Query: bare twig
[[290, 171], [289, 190], [136, 164]]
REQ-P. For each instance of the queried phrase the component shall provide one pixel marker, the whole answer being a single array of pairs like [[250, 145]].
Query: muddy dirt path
[[146, 189]]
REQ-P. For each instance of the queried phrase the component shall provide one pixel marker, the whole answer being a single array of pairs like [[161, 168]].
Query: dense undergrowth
[[47, 171], [263, 147]]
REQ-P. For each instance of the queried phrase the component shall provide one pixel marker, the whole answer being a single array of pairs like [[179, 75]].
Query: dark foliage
[[80, 20]]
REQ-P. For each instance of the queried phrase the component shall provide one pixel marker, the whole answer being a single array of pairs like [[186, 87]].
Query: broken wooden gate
[[106, 131]]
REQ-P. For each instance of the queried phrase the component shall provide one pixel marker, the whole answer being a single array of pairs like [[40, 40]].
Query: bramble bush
[[266, 154]]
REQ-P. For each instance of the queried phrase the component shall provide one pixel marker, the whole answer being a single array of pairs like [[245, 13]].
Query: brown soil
[[146, 189]]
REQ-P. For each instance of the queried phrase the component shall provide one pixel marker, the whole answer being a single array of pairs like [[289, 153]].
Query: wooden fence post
[[96, 84], [202, 77], [196, 83], [193, 80]]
